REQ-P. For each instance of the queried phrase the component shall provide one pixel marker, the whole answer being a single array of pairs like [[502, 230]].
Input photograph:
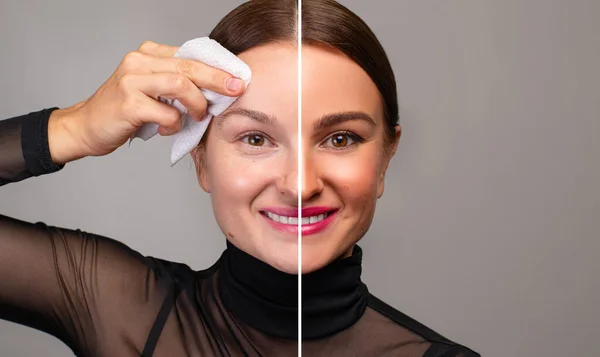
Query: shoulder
[[167, 269], [440, 345], [179, 273]]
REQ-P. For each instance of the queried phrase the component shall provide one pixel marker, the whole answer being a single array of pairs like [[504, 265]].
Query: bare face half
[[249, 162]]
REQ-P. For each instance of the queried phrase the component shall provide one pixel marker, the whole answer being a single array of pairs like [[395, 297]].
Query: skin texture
[[250, 166]]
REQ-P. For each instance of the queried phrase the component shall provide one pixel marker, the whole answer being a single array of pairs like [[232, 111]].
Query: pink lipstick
[[314, 219]]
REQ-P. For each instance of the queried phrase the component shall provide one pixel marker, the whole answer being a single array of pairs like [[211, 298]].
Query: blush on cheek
[[356, 177]]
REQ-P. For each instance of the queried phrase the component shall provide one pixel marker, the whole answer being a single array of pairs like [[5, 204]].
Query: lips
[[314, 219], [315, 211]]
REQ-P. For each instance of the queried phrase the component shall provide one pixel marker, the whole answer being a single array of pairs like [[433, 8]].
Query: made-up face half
[[249, 161]]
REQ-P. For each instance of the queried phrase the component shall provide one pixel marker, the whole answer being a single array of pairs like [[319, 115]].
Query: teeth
[[294, 220]]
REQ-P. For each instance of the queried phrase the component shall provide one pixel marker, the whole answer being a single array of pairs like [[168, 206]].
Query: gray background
[[486, 229]]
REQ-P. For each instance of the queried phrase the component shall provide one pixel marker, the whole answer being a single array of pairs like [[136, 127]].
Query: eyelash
[[357, 139], [247, 135]]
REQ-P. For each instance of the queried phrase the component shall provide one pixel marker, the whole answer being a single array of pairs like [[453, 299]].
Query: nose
[[287, 184], [312, 185]]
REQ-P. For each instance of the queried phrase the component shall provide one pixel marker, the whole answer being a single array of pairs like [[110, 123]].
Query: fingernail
[[235, 84]]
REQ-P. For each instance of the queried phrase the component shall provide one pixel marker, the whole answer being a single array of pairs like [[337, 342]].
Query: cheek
[[354, 176], [234, 179]]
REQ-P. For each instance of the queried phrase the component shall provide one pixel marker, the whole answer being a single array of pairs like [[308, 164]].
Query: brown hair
[[325, 23]]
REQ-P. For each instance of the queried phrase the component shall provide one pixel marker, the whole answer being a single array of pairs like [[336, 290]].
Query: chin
[[318, 256], [314, 258], [288, 263], [285, 261], [309, 266], [289, 267]]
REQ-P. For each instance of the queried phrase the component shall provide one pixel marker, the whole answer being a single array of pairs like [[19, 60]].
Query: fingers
[[202, 75], [158, 50], [169, 86], [156, 58], [152, 72], [148, 110]]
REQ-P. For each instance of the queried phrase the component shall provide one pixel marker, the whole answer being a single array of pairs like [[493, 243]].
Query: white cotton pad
[[213, 54]]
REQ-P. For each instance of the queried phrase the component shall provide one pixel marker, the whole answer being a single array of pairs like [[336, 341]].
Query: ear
[[199, 158], [388, 155]]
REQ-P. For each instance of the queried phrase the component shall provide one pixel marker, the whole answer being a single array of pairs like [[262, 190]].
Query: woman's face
[[249, 163]]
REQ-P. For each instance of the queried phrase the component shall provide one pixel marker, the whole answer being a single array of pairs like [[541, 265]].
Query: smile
[[294, 220], [314, 219]]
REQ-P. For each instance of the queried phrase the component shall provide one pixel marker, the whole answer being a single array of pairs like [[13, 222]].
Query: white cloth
[[213, 54]]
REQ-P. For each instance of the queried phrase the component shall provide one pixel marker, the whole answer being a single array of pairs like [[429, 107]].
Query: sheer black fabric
[[102, 298], [24, 147]]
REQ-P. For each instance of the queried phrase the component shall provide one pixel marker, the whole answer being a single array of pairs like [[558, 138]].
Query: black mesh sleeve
[[24, 150], [90, 291]]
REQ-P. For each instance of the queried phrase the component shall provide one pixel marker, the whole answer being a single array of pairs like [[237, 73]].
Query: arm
[[82, 288], [88, 290], [24, 149]]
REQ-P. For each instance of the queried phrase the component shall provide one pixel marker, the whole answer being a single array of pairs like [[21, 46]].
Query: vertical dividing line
[[299, 33]]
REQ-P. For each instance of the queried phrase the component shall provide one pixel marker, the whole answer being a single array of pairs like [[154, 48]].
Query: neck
[[333, 298]]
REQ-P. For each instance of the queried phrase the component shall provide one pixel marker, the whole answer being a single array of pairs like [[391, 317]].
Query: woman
[[103, 299]]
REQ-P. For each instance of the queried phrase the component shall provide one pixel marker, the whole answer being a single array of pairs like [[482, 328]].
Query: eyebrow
[[332, 119], [249, 113], [325, 121]]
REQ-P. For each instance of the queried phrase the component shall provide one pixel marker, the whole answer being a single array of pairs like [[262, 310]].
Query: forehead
[[274, 84], [331, 82]]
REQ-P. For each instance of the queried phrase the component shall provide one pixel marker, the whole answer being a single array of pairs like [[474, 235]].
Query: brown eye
[[256, 140], [339, 141], [343, 140]]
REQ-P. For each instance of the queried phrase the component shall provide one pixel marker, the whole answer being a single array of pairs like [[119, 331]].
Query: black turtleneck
[[333, 298], [102, 298]]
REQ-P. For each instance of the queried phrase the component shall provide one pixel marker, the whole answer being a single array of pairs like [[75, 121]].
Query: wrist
[[61, 139]]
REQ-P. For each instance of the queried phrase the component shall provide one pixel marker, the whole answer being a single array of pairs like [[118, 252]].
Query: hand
[[130, 99]]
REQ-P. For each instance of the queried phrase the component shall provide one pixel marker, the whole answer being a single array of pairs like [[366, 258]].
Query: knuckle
[[125, 83], [178, 82], [131, 61], [146, 45], [186, 67]]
